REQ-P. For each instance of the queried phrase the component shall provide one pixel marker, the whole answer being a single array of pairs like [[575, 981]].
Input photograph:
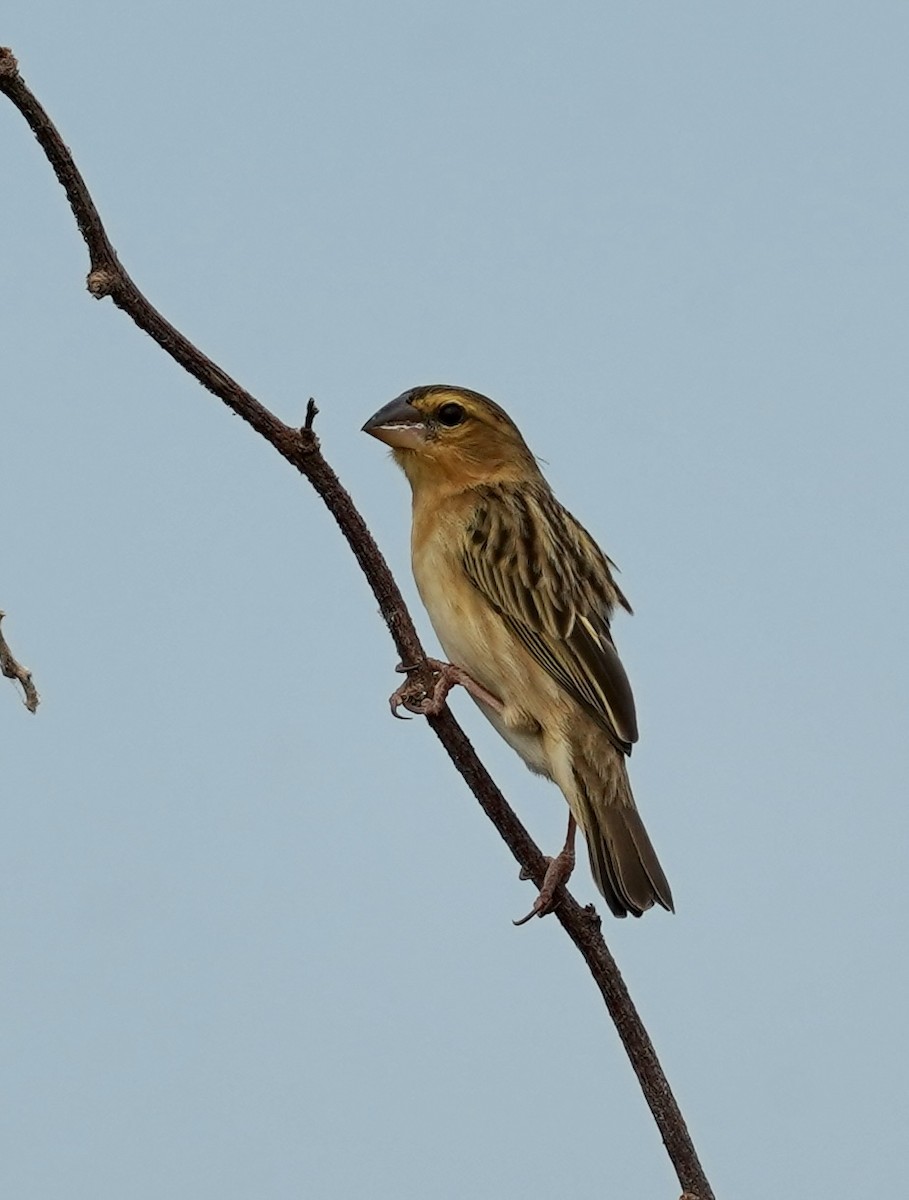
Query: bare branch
[[301, 448], [14, 670]]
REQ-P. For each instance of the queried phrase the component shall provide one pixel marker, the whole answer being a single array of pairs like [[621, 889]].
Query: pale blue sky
[[256, 936]]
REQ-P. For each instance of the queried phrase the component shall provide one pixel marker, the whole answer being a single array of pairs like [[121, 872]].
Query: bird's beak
[[398, 424]]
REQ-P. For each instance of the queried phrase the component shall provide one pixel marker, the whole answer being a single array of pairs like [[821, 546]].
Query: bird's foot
[[558, 872], [427, 686]]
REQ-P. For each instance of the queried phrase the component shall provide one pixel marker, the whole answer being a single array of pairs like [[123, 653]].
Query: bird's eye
[[451, 414]]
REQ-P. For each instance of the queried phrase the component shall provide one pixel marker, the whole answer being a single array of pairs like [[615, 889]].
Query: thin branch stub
[[19, 674]]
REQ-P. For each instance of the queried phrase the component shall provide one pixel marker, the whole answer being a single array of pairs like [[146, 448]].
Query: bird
[[521, 599]]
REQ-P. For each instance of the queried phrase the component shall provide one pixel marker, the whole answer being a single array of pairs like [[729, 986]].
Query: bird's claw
[[558, 872], [395, 702], [406, 696], [415, 697], [427, 699]]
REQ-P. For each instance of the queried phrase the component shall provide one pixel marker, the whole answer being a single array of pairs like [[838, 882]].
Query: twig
[[15, 671], [301, 448]]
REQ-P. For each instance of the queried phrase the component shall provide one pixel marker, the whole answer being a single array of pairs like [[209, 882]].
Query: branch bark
[[300, 447], [15, 671]]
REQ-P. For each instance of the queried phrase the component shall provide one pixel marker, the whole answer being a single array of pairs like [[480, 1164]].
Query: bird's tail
[[623, 861]]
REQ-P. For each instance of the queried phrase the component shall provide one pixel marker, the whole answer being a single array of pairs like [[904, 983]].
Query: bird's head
[[449, 437]]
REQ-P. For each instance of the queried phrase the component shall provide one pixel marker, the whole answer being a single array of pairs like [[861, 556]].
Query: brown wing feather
[[553, 585]]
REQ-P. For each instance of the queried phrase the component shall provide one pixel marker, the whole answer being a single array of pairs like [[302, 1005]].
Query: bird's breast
[[470, 631], [475, 637]]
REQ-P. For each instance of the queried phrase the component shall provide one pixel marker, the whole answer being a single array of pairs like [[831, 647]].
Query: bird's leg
[[416, 697], [558, 872]]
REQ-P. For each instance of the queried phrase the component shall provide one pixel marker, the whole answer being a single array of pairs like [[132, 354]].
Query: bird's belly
[[475, 638], [525, 739]]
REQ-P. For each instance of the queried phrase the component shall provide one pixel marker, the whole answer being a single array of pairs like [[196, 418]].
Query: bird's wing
[[553, 586]]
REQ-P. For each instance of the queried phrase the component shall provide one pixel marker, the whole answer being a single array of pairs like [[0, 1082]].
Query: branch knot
[[101, 282], [8, 64]]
